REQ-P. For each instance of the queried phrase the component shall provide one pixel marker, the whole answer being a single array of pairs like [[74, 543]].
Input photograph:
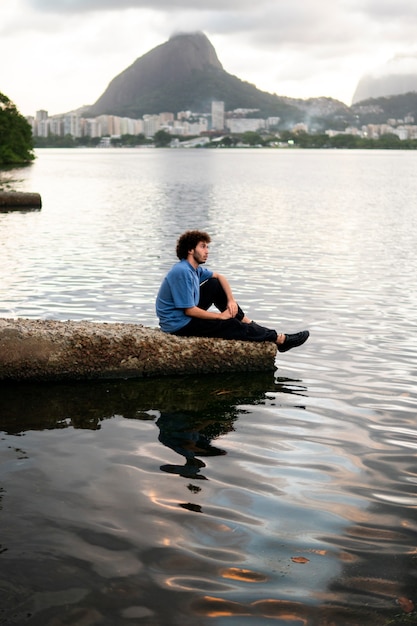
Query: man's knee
[[211, 284], [211, 292]]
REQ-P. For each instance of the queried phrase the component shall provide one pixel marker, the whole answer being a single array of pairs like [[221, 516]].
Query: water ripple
[[287, 497]]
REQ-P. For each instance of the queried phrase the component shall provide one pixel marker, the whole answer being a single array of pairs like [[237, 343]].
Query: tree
[[389, 141], [228, 141], [55, 141], [252, 139], [15, 135], [131, 140], [162, 139], [345, 141]]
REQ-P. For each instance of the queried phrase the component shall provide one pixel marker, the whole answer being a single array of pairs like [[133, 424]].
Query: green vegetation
[[318, 141], [378, 110], [385, 142], [250, 139], [68, 141], [162, 139], [130, 141], [16, 145]]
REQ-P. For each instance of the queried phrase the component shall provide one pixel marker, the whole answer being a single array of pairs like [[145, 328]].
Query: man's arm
[[202, 314], [231, 310], [231, 302]]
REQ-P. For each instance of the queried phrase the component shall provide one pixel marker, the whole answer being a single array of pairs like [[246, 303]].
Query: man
[[189, 290]]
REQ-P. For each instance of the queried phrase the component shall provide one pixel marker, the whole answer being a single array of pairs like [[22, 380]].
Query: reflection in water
[[188, 436], [9, 176], [284, 530], [86, 405]]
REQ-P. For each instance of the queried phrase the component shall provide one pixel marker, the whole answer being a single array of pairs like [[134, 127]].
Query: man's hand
[[225, 315], [232, 307]]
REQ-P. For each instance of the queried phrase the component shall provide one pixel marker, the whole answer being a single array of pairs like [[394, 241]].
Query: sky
[[59, 55]]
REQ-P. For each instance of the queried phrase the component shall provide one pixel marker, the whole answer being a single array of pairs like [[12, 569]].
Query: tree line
[[163, 139], [387, 141], [16, 144]]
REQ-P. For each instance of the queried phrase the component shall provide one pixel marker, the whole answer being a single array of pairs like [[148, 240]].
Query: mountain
[[397, 76], [379, 110], [185, 74]]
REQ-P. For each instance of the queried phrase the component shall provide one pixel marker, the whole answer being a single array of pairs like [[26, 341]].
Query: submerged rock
[[14, 200], [53, 350]]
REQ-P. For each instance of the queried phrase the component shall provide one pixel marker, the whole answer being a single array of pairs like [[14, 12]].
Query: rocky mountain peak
[[165, 67]]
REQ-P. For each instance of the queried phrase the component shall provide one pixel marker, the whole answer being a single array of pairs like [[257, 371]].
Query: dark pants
[[212, 293]]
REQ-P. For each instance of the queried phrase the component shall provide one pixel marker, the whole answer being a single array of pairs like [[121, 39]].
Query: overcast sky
[[60, 54]]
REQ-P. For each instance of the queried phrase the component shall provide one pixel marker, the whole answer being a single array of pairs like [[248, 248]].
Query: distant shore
[[286, 140]]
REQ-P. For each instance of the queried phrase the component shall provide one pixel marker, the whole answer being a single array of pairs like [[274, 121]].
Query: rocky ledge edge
[[49, 350]]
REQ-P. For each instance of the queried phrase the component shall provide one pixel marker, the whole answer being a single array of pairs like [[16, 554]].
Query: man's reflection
[[189, 436]]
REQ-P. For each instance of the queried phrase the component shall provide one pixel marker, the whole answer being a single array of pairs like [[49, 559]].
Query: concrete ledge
[[50, 350], [15, 200]]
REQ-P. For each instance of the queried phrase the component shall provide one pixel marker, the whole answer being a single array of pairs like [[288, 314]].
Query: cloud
[[401, 64], [65, 52], [383, 10], [83, 6], [312, 24], [62, 64]]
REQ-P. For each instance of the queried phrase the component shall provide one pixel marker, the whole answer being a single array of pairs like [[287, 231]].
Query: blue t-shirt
[[179, 290]]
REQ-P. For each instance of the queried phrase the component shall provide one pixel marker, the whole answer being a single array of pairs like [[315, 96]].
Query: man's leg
[[212, 293], [234, 329], [239, 327], [227, 329]]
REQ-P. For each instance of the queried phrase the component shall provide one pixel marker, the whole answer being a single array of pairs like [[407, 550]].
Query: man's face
[[200, 252]]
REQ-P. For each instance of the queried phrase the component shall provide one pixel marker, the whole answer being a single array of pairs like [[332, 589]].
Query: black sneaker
[[292, 341]]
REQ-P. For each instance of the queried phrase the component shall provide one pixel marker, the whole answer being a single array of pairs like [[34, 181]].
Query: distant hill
[[185, 74], [379, 110], [397, 76], [384, 86]]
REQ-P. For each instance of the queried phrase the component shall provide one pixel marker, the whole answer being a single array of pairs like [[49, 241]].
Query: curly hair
[[189, 240]]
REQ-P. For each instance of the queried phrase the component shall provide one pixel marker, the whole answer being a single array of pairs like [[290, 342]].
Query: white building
[[129, 126], [108, 125], [166, 118], [72, 125], [41, 125], [31, 121], [42, 128], [151, 125], [91, 127], [402, 132], [187, 127], [41, 115], [244, 124], [272, 122], [217, 115], [56, 125]]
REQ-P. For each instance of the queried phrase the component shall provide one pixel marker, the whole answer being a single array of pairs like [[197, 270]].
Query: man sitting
[[189, 290]]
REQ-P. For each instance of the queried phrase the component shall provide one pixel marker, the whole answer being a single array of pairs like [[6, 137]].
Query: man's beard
[[198, 259]]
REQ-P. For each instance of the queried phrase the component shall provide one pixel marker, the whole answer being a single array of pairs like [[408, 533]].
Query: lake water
[[242, 500]]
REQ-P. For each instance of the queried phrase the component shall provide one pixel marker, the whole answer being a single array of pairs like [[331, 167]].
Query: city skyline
[[186, 124], [62, 54]]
